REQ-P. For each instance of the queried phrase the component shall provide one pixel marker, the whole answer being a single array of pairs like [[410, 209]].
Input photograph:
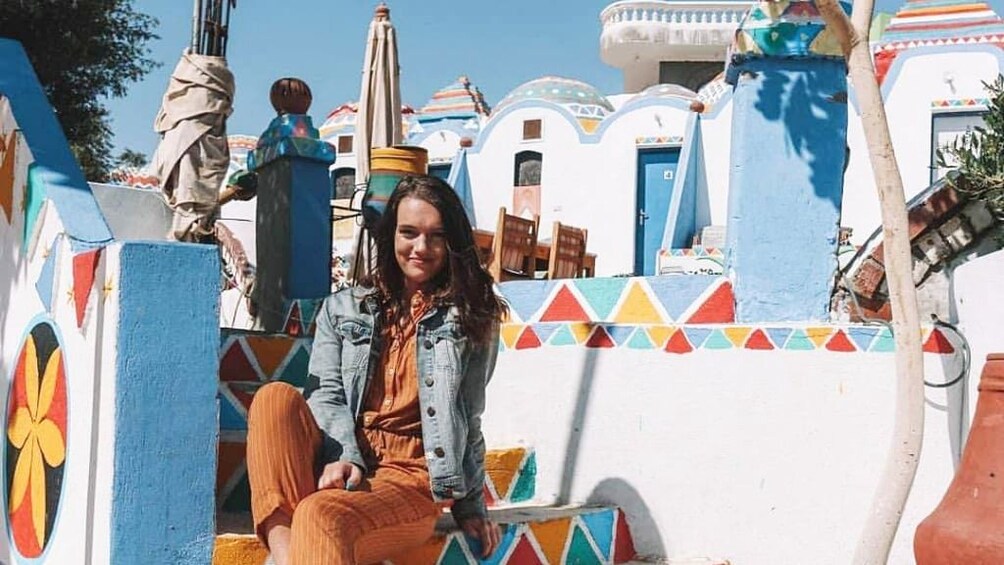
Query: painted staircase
[[532, 533]]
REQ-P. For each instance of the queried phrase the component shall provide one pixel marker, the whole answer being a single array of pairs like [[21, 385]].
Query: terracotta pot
[[968, 526]]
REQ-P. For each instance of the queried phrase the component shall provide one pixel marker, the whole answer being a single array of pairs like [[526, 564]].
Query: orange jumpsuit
[[392, 510]]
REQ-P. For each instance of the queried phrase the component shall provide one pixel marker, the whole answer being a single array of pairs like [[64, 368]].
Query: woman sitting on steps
[[388, 431]]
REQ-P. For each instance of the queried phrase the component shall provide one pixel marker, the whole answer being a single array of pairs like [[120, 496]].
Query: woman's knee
[[321, 514], [274, 400]]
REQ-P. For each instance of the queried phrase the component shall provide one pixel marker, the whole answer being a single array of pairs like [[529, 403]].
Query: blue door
[[656, 175]]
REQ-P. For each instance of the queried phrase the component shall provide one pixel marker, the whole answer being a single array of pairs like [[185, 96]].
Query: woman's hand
[[340, 474], [485, 530]]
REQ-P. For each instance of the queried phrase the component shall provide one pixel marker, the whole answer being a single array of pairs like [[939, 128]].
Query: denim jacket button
[[429, 382], [431, 411], [428, 344], [439, 452]]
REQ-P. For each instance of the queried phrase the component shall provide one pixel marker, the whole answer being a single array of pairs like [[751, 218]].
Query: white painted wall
[[922, 79], [756, 457], [443, 144]]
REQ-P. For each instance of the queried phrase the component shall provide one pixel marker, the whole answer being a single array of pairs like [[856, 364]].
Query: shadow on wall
[[574, 443], [644, 530], [812, 104]]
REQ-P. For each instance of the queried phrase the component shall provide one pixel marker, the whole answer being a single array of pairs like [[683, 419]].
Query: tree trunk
[[908, 431]]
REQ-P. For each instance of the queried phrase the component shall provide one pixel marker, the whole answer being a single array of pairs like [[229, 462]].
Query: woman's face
[[419, 242]]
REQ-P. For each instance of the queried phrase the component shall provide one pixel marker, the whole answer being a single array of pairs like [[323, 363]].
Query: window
[[945, 129], [344, 144], [527, 169], [343, 182], [531, 130]]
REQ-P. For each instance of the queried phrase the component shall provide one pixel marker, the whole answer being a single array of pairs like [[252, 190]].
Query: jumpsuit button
[[431, 411], [439, 452], [429, 382], [428, 344]]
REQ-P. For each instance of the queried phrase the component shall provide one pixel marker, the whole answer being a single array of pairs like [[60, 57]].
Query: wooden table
[[483, 240]]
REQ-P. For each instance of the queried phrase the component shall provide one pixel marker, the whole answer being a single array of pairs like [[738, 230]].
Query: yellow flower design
[[38, 437]]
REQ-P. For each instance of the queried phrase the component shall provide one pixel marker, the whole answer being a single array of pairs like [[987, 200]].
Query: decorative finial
[[290, 96], [466, 142], [697, 106], [382, 12]]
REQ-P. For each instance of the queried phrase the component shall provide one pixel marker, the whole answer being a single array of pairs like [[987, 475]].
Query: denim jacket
[[452, 375]]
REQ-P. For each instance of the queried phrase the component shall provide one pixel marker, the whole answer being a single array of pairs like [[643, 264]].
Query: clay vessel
[[968, 526]]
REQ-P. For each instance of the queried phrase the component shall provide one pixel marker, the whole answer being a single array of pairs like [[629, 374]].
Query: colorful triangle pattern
[[85, 265]]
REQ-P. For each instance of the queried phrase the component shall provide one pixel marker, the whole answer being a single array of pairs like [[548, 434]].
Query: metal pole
[[196, 26]]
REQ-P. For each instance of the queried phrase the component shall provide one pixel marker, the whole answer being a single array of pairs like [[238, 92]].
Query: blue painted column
[[789, 136], [293, 218]]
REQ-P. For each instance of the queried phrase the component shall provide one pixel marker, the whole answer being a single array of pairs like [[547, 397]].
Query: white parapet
[[639, 34]]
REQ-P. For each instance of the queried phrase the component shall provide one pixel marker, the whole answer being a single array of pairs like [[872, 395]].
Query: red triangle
[[623, 544], [242, 396], [719, 308], [678, 343], [600, 338], [234, 366], [759, 340], [84, 266], [524, 553], [938, 343], [293, 326], [528, 339], [489, 499], [840, 342], [564, 308]]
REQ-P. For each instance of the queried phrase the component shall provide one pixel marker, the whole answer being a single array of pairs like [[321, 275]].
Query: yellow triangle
[[660, 334], [637, 308], [818, 335], [826, 43], [551, 536], [510, 334], [501, 466], [737, 335], [581, 330]]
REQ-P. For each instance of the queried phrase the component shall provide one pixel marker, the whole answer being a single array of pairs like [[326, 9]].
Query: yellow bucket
[[387, 166]]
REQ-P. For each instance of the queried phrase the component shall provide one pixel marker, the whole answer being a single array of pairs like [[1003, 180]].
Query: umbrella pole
[[196, 25]]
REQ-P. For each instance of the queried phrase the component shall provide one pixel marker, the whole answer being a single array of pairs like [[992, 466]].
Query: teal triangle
[[601, 527], [545, 330], [778, 336], [295, 372], [308, 308], [500, 553], [579, 550], [240, 498], [45, 279], [619, 334], [454, 554], [884, 342], [34, 198], [525, 484], [717, 340], [563, 336], [640, 340], [862, 337], [602, 294], [696, 336], [230, 417], [526, 297], [798, 341]]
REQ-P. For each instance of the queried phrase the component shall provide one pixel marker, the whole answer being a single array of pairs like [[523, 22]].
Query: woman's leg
[[282, 445], [382, 519]]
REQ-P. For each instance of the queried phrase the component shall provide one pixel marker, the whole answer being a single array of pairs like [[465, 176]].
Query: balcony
[[650, 31]]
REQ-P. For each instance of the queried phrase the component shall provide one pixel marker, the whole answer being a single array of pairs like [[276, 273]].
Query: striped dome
[[924, 20], [665, 91], [582, 99], [342, 120], [459, 100]]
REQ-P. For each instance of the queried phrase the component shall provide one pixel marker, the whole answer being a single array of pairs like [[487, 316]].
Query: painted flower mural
[[36, 440]]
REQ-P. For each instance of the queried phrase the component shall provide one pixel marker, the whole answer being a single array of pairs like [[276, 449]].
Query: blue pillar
[[293, 236], [789, 138]]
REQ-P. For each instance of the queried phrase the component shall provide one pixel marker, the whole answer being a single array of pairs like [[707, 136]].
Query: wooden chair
[[568, 251], [514, 247]]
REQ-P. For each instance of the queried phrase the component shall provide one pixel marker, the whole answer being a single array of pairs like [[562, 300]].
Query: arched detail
[[526, 168], [343, 183]]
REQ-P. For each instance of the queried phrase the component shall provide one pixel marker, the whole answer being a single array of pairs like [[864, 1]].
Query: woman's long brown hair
[[463, 282]]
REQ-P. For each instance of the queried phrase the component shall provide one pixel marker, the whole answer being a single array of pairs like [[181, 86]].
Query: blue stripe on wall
[[63, 181], [165, 404]]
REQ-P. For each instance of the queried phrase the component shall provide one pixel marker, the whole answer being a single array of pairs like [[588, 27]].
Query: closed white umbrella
[[378, 123]]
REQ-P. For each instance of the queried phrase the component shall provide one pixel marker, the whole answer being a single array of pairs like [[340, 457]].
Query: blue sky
[[498, 45]]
